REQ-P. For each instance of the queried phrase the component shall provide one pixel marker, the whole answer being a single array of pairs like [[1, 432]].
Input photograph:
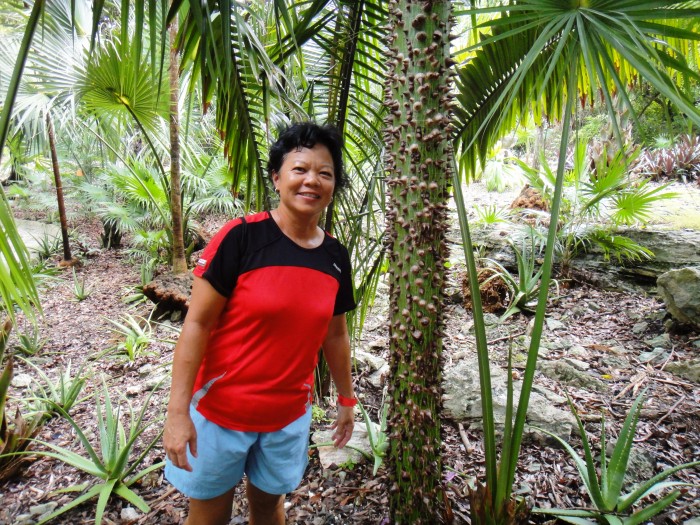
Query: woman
[[269, 291]]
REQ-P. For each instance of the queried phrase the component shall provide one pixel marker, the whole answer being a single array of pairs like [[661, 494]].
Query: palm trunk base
[[69, 263], [483, 511]]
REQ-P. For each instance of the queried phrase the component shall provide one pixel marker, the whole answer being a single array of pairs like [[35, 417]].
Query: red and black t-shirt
[[257, 371]]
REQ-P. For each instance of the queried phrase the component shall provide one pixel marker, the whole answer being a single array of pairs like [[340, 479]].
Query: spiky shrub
[[15, 434], [418, 168]]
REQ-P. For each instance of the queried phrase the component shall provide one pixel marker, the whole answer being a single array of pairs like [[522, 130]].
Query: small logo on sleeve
[[201, 262]]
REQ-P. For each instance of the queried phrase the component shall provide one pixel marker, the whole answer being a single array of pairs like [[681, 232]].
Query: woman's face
[[306, 181]]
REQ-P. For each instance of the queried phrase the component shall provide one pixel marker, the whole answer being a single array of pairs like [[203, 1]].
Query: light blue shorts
[[273, 461]]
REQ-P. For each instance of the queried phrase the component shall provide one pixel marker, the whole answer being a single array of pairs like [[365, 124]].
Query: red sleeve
[[220, 261]]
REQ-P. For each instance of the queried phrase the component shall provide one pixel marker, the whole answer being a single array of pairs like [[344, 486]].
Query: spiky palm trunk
[[67, 257], [419, 164], [179, 260]]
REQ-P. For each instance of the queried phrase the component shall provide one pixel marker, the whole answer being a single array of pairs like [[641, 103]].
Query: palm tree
[[16, 279], [46, 96], [419, 168], [179, 264]]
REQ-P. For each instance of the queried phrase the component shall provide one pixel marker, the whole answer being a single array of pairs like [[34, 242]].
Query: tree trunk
[[59, 190], [419, 167], [179, 260]]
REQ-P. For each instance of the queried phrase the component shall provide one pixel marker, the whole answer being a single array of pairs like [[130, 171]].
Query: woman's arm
[[336, 349], [205, 308]]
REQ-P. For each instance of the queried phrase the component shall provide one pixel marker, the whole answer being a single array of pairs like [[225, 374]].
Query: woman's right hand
[[178, 434]]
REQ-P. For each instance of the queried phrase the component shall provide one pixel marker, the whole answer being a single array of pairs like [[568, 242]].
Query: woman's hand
[[344, 423], [179, 433]]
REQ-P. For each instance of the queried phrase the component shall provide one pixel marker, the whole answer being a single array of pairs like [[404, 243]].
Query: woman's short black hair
[[307, 135]]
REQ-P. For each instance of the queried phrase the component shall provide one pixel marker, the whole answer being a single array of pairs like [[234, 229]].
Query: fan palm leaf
[[520, 63]]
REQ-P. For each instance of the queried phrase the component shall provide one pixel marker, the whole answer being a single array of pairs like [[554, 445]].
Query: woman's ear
[[275, 179]]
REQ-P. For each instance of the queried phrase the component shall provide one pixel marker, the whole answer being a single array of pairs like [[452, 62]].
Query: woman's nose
[[312, 178]]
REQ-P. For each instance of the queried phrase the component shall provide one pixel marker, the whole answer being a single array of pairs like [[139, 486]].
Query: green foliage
[[134, 336], [597, 201], [490, 214], [135, 295], [30, 342], [47, 246], [81, 290], [604, 481], [61, 394], [377, 435], [318, 415], [45, 272], [501, 173], [525, 288], [16, 433], [113, 465]]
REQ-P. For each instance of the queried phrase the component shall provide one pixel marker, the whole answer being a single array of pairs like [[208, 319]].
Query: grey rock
[[157, 382], [578, 351], [689, 369], [560, 343], [378, 378], [135, 389], [661, 341], [22, 380], [368, 360], [491, 319], [146, 369], [577, 363], [382, 342], [692, 521], [33, 232], [657, 355], [639, 328], [567, 374], [44, 508], [673, 249], [554, 324], [462, 401], [680, 290], [332, 457], [129, 515], [615, 362]]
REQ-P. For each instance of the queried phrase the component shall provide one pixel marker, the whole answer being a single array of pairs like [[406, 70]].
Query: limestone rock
[[332, 457], [462, 400], [33, 232], [369, 360], [689, 369], [22, 380], [680, 290], [570, 375], [673, 249], [129, 515]]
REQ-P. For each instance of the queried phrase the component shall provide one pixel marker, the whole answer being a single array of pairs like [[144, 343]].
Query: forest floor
[[602, 323]]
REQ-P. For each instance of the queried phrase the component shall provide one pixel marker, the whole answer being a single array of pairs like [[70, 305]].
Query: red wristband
[[346, 401]]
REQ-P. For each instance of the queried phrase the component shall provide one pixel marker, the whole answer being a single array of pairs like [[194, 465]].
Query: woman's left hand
[[344, 423]]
